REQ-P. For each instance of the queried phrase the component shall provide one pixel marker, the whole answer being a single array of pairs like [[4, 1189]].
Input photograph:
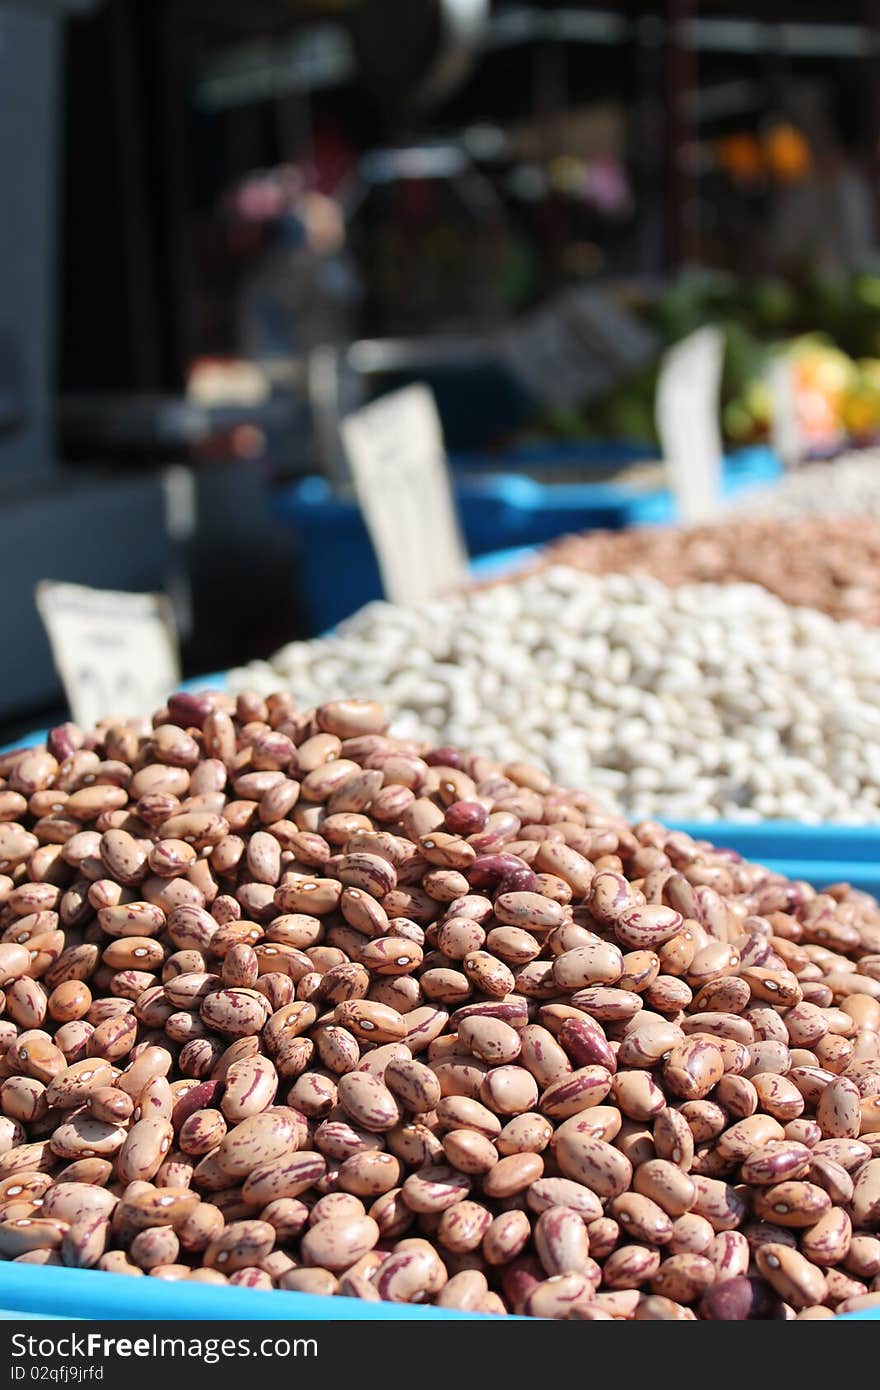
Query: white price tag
[[398, 464], [786, 431], [687, 412], [116, 653]]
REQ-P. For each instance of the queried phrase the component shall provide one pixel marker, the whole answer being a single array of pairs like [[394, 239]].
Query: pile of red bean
[[289, 1004], [824, 562]]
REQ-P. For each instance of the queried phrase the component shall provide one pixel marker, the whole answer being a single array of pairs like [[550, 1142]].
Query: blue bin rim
[[623, 453], [93, 1295], [314, 493], [88, 1294]]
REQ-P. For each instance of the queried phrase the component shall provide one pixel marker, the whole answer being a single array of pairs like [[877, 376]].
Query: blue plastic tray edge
[[91, 1295]]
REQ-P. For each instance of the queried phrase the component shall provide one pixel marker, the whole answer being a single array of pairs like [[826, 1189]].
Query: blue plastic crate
[[587, 455], [498, 511], [820, 854], [755, 466], [337, 568]]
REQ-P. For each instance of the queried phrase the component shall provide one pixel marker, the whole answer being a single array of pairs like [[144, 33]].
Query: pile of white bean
[[695, 702], [849, 485]]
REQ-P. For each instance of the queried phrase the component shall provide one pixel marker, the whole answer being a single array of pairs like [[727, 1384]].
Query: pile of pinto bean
[[825, 562], [290, 1004]]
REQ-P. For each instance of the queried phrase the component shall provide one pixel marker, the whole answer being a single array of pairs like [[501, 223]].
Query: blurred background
[[227, 225]]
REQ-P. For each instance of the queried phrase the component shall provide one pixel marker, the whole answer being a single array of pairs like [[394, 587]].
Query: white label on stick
[[398, 464], [687, 410], [116, 653], [786, 431]]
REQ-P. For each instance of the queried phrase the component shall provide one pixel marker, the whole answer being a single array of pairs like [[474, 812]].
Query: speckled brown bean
[[240, 1245], [117, 1262], [630, 1266], [729, 1255], [673, 1138], [596, 1164], [143, 1207], [561, 1241], [202, 1225], [507, 1235], [77, 1201], [564, 1192], [30, 1233], [201, 1132], [512, 1174], [287, 1176], [259, 1139], [691, 1235], [721, 1204], [463, 1226], [641, 1218], [23, 1098], [144, 1150], [828, 1242], [543, 1056], [111, 1104], [405, 1276], [372, 1022], [114, 1038], [434, 1188], [236, 1013], [390, 956], [368, 1102], [737, 1142], [683, 1278], [637, 1094], [369, 1174], [794, 1278], [336, 1243], [554, 1297], [465, 1291], [251, 1085], [693, 1067], [839, 1110], [865, 1208], [526, 1133], [490, 1039], [85, 1241], [863, 1257], [82, 1136], [316, 1281], [414, 1084], [509, 1090], [155, 1247], [665, 1184]]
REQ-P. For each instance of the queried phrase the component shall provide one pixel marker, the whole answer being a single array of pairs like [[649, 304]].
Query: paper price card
[[687, 412], [116, 653], [786, 427], [401, 478]]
